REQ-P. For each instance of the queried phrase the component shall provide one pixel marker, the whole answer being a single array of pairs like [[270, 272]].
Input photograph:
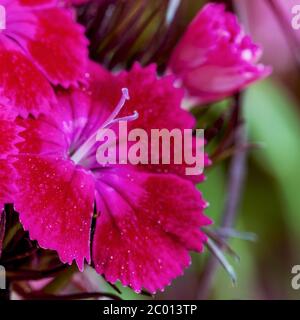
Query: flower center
[[86, 147]]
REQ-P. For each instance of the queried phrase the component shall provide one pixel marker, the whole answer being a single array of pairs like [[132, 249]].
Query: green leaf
[[273, 119]]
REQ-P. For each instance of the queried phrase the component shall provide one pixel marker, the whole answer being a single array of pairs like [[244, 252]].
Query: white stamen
[[86, 147]]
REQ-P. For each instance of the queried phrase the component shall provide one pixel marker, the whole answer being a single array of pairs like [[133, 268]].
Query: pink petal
[[38, 3], [157, 101], [42, 136], [22, 86], [7, 176], [79, 113], [59, 49], [55, 202], [146, 228], [9, 136], [34, 49], [9, 132]]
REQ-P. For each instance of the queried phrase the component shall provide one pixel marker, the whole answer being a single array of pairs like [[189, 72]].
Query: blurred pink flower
[[41, 45], [215, 59], [272, 32]]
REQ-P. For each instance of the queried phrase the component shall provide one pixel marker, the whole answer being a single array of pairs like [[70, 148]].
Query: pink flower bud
[[215, 58]]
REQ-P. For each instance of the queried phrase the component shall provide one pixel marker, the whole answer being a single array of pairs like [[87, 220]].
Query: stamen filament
[[86, 147], [124, 98]]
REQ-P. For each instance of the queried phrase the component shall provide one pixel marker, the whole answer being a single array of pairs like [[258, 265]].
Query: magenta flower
[[215, 59], [41, 45], [146, 219]]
